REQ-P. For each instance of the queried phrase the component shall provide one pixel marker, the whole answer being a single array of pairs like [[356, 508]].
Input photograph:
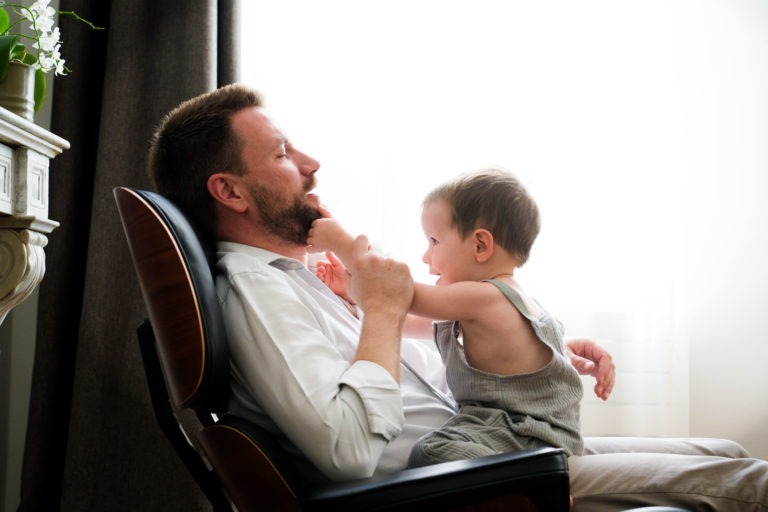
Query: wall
[[728, 295], [727, 237], [728, 276], [17, 346]]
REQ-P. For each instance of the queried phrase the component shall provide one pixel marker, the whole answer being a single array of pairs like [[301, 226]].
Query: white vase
[[17, 90]]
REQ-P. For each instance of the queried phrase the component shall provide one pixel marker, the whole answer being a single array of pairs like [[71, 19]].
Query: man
[[341, 390]]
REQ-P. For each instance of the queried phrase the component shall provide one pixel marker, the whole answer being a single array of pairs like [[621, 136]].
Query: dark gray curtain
[[92, 441]]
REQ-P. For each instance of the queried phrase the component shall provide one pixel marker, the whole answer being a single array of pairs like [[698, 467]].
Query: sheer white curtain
[[596, 105]]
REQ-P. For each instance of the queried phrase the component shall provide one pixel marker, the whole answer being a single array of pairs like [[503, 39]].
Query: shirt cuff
[[380, 395]]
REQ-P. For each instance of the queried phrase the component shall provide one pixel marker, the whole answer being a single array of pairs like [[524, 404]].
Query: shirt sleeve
[[340, 414]]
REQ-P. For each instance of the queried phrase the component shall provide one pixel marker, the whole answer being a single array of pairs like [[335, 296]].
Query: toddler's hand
[[323, 235], [589, 358], [334, 275]]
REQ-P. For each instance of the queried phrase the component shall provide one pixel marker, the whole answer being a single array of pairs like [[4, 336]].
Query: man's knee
[[723, 448]]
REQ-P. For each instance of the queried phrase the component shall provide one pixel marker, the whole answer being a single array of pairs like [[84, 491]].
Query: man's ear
[[225, 190], [483, 243]]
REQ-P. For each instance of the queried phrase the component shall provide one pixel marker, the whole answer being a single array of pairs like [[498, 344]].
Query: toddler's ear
[[483, 243]]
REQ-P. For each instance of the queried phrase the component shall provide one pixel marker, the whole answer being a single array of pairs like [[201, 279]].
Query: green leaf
[[39, 89], [29, 59], [5, 21], [17, 52], [7, 44]]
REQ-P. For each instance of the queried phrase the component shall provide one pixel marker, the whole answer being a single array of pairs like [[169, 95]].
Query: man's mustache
[[310, 184]]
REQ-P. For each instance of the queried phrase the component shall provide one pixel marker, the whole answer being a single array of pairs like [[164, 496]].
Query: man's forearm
[[380, 340], [384, 291]]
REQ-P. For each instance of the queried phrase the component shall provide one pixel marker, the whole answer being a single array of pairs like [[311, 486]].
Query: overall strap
[[513, 296]]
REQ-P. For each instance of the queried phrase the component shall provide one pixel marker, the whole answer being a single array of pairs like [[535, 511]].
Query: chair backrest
[[187, 332], [177, 284]]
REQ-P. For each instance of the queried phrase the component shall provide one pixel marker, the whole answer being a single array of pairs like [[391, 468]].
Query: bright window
[[601, 107]]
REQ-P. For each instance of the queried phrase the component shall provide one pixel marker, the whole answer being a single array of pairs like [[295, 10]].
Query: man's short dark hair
[[194, 141]]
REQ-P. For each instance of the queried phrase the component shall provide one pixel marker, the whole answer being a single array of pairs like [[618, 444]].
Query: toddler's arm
[[326, 234]]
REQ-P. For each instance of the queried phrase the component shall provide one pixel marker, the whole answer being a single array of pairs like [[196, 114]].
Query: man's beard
[[290, 221]]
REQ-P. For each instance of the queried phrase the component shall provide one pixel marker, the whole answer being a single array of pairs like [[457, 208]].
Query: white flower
[[43, 23], [40, 4], [48, 40], [41, 15], [47, 36], [46, 62]]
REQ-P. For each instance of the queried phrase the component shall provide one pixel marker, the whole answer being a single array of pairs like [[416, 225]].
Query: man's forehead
[[252, 117], [256, 122]]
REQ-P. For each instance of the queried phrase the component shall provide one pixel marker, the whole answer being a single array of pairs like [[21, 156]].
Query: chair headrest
[[175, 275]]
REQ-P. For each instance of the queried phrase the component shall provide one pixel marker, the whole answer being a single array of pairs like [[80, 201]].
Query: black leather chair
[[183, 346]]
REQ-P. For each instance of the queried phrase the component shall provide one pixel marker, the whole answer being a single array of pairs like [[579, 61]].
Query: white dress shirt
[[292, 347]]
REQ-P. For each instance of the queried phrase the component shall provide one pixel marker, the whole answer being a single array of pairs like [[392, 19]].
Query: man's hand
[[379, 282], [589, 358], [383, 289]]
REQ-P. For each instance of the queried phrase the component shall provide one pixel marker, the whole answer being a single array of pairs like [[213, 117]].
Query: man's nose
[[307, 164]]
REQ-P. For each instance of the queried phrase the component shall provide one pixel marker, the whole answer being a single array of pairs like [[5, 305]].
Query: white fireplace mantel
[[26, 150]]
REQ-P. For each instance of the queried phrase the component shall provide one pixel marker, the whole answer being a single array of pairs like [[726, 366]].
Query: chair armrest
[[255, 470], [536, 478]]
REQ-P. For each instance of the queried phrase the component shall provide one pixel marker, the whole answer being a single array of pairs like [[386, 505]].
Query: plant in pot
[[33, 52]]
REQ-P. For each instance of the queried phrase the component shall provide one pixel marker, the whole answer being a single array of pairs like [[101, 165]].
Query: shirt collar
[[263, 255]]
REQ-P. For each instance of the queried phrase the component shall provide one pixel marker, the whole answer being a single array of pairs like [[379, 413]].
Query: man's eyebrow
[[279, 142]]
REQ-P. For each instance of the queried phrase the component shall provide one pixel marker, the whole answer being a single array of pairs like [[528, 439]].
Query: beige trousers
[[616, 473]]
